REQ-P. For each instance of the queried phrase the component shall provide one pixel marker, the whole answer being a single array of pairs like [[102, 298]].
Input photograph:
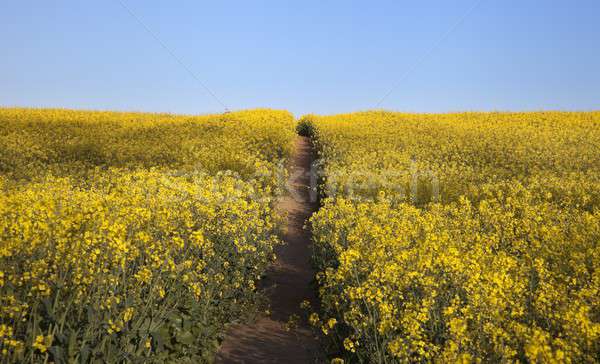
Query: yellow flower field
[[133, 237], [467, 237]]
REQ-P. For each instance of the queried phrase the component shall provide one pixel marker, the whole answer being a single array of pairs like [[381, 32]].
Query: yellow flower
[[305, 304], [128, 314], [42, 343], [331, 323], [349, 345], [313, 319]]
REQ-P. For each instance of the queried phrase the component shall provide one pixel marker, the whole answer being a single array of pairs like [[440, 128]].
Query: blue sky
[[307, 57]]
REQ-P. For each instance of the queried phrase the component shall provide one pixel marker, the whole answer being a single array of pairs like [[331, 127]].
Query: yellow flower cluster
[[127, 236], [422, 158], [461, 237], [35, 142]]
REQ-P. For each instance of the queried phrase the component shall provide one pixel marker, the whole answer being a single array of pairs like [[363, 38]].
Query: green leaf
[[187, 323], [72, 345], [186, 338], [161, 338], [57, 354], [85, 354]]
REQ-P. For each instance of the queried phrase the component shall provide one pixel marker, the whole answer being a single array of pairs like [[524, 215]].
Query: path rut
[[287, 284]]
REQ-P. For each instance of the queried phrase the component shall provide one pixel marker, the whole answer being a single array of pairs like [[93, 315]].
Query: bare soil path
[[287, 283]]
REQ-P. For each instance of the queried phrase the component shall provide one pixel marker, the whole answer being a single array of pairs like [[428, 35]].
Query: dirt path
[[287, 284]]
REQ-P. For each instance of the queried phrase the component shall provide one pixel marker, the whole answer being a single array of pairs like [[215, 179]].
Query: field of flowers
[[459, 237], [130, 237]]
